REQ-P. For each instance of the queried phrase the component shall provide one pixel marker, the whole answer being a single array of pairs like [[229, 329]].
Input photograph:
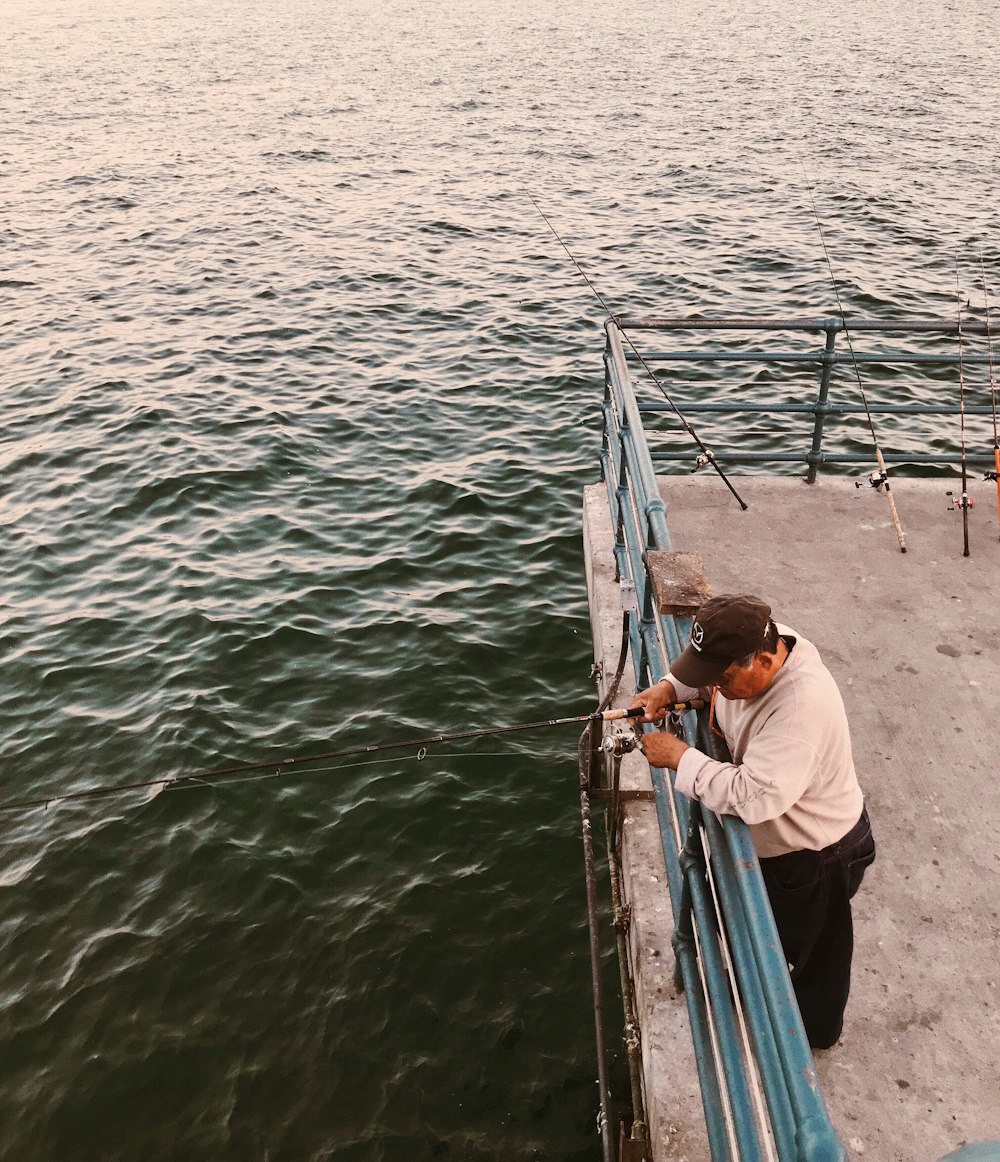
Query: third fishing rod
[[995, 474], [706, 456]]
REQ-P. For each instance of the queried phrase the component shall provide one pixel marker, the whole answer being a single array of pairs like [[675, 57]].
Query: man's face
[[741, 682]]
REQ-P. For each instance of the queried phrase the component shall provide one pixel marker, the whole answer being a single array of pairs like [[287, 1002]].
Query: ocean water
[[300, 396]]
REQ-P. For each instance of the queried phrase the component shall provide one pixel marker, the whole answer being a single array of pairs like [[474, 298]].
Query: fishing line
[[964, 502], [881, 480], [277, 767], [707, 457], [447, 756], [995, 474]]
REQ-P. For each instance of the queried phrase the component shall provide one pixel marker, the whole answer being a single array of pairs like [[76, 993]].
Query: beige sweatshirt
[[792, 778]]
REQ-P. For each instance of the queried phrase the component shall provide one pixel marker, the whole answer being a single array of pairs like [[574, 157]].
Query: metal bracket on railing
[[623, 918], [633, 1149]]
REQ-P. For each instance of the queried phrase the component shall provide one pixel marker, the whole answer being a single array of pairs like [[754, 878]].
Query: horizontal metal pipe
[[687, 963], [816, 357], [897, 459], [720, 1001], [751, 990], [831, 409], [877, 326], [790, 1036]]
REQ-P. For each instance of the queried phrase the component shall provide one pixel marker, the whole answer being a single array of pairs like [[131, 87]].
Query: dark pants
[[810, 894]]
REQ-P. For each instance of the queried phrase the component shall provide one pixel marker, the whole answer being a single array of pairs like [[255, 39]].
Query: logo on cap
[[697, 635]]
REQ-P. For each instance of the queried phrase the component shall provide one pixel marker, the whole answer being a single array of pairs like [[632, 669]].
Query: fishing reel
[[619, 742], [707, 457], [876, 479], [990, 476]]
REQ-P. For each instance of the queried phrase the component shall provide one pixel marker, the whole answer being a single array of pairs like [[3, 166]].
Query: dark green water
[[300, 397]]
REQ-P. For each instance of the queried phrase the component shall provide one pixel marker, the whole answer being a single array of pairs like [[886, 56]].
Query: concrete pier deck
[[914, 643]]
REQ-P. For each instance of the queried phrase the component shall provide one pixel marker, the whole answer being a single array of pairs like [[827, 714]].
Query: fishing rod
[[995, 474], [278, 766], [880, 479], [706, 457], [964, 502]]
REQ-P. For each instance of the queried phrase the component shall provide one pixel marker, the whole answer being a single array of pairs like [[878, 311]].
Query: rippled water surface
[[300, 395]]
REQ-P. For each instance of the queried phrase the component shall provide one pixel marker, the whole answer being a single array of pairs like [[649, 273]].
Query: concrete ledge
[[673, 1097]]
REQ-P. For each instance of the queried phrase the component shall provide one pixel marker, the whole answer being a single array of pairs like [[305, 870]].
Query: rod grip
[[900, 535], [638, 711]]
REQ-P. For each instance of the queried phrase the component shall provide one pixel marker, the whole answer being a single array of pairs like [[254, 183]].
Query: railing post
[[815, 454]]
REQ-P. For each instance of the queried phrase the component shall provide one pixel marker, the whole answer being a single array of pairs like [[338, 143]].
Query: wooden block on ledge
[[680, 585]]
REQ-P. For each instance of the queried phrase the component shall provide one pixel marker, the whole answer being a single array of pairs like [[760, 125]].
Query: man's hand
[[662, 749], [654, 700]]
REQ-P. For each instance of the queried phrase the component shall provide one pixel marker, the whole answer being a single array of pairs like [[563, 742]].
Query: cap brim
[[697, 669]]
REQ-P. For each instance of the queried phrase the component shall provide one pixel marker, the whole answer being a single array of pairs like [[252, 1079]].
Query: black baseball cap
[[726, 628]]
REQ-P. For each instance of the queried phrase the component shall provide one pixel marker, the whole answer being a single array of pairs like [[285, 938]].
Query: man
[[792, 780]]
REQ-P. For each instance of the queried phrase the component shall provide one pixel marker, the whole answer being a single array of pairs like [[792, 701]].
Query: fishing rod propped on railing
[[706, 456], [964, 503]]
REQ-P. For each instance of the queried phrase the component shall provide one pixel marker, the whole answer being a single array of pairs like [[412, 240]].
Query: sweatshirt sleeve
[[774, 773], [684, 692]]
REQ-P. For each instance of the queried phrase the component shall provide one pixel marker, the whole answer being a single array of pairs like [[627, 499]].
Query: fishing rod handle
[[900, 535], [639, 711]]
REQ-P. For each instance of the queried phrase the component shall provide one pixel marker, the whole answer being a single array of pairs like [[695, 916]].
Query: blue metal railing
[[937, 359], [707, 854]]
